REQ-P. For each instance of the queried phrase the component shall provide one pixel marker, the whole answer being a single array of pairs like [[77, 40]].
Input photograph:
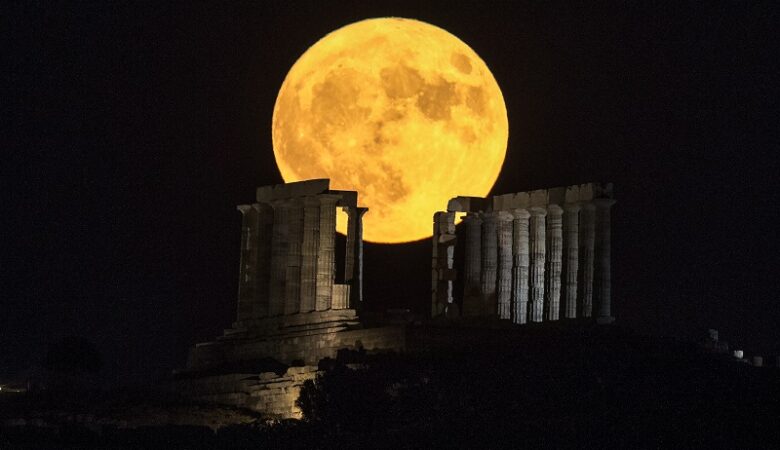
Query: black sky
[[130, 132]]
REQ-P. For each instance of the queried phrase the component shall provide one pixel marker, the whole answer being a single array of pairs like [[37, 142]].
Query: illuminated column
[[442, 261], [603, 264], [571, 257], [309, 247], [472, 264], [246, 280], [587, 242], [326, 272], [536, 266], [489, 253], [504, 283], [353, 272], [554, 249], [281, 230], [520, 267], [265, 221]]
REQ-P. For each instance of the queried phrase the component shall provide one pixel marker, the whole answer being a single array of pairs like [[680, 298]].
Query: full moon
[[399, 110]]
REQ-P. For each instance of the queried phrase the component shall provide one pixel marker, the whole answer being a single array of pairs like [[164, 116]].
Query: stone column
[[326, 258], [309, 247], [292, 296], [520, 267], [265, 222], [587, 243], [536, 266], [554, 248], [504, 281], [353, 270], [246, 279], [472, 264], [279, 240], [571, 258], [489, 264], [442, 262], [603, 260]]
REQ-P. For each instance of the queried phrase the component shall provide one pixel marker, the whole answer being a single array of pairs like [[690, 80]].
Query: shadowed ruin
[[291, 309], [528, 257]]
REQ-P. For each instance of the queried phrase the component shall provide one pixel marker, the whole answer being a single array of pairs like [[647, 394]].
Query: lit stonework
[[532, 256], [291, 306]]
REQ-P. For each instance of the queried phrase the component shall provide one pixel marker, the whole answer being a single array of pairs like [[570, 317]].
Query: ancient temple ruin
[[292, 307], [534, 256]]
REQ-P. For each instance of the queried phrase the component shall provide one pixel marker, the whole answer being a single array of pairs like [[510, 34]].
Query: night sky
[[130, 132]]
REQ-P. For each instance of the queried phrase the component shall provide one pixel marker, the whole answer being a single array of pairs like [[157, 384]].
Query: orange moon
[[399, 110]]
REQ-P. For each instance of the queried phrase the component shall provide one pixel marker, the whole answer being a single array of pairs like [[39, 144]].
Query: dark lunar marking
[[400, 81], [437, 99], [335, 101], [461, 62], [392, 183], [476, 100], [467, 135]]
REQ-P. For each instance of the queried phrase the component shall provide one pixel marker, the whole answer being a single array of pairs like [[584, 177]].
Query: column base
[[605, 320]]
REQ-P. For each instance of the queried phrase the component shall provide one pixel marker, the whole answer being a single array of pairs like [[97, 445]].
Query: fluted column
[[504, 281], [571, 258], [537, 259], [353, 270], [246, 279], [554, 248], [279, 241], [309, 247], [265, 221], [292, 296], [520, 266], [489, 264], [603, 249], [587, 243], [472, 264], [326, 272]]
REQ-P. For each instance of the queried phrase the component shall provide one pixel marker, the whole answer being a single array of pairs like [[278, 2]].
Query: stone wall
[[269, 393], [308, 349]]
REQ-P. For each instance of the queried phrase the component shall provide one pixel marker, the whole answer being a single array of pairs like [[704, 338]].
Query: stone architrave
[[536, 266], [279, 243], [570, 258], [489, 263], [473, 264], [603, 258], [246, 281], [554, 250], [326, 259], [504, 280], [309, 248], [353, 271], [265, 222], [520, 251], [587, 244]]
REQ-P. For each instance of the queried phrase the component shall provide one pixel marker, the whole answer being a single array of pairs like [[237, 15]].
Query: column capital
[[537, 211], [472, 217], [572, 207], [521, 214], [504, 216], [243, 208], [554, 210]]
